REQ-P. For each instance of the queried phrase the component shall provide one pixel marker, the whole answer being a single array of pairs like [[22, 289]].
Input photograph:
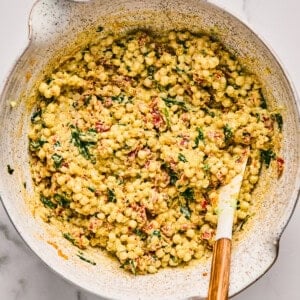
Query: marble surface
[[23, 276]]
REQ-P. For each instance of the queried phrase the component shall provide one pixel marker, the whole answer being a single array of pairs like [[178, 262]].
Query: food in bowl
[[132, 137]]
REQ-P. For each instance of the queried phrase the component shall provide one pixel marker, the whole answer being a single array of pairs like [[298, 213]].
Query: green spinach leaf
[[227, 133], [182, 158], [57, 160], [199, 137], [279, 120], [47, 202], [82, 141], [62, 200], [266, 156], [171, 101], [188, 194], [111, 196], [185, 211], [172, 174]]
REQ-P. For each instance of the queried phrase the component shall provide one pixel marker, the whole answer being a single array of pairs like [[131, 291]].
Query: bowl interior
[[57, 28]]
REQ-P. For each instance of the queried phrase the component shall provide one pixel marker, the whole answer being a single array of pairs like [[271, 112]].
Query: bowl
[[57, 27]]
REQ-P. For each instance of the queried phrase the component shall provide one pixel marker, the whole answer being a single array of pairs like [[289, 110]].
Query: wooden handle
[[220, 269]]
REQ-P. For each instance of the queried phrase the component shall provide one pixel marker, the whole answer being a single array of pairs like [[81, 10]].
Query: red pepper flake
[[133, 153], [206, 235], [204, 203], [101, 127], [268, 122], [199, 80], [218, 74], [65, 164], [157, 118], [185, 141], [280, 165]]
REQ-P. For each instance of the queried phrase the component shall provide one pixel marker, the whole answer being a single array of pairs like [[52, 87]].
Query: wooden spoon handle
[[220, 269]]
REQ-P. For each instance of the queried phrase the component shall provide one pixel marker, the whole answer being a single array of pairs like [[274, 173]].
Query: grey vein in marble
[[20, 289], [4, 259], [24, 277], [8, 236]]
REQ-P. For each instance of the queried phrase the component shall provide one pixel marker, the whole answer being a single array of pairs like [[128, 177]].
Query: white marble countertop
[[23, 276]]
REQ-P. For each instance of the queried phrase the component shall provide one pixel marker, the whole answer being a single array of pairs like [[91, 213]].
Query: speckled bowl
[[54, 26]]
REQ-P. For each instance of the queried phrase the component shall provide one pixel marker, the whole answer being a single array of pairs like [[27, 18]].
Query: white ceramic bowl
[[53, 26]]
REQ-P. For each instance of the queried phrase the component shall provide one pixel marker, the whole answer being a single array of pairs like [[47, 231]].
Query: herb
[[118, 99], [129, 262], [178, 70], [199, 137], [90, 136], [10, 170], [188, 194], [257, 115], [62, 200], [185, 211], [156, 233], [266, 156], [180, 42], [206, 167], [263, 102], [57, 144], [182, 158], [48, 80], [160, 87], [111, 196], [279, 120], [174, 259], [99, 29], [214, 36], [91, 189], [120, 44], [86, 49], [36, 145], [243, 222], [172, 174], [57, 159], [167, 116], [47, 202], [75, 104], [85, 259], [170, 101], [227, 133], [36, 116], [209, 112], [151, 71], [87, 100], [140, 233], [132, 266], [68, 237], [83, 141]]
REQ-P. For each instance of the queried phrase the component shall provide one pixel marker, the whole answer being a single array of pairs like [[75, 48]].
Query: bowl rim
[[252, 28]]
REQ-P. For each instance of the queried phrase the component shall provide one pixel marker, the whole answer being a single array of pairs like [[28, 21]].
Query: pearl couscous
[[132, 137]]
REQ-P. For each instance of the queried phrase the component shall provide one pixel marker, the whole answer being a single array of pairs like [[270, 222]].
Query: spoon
[[220, 269]]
